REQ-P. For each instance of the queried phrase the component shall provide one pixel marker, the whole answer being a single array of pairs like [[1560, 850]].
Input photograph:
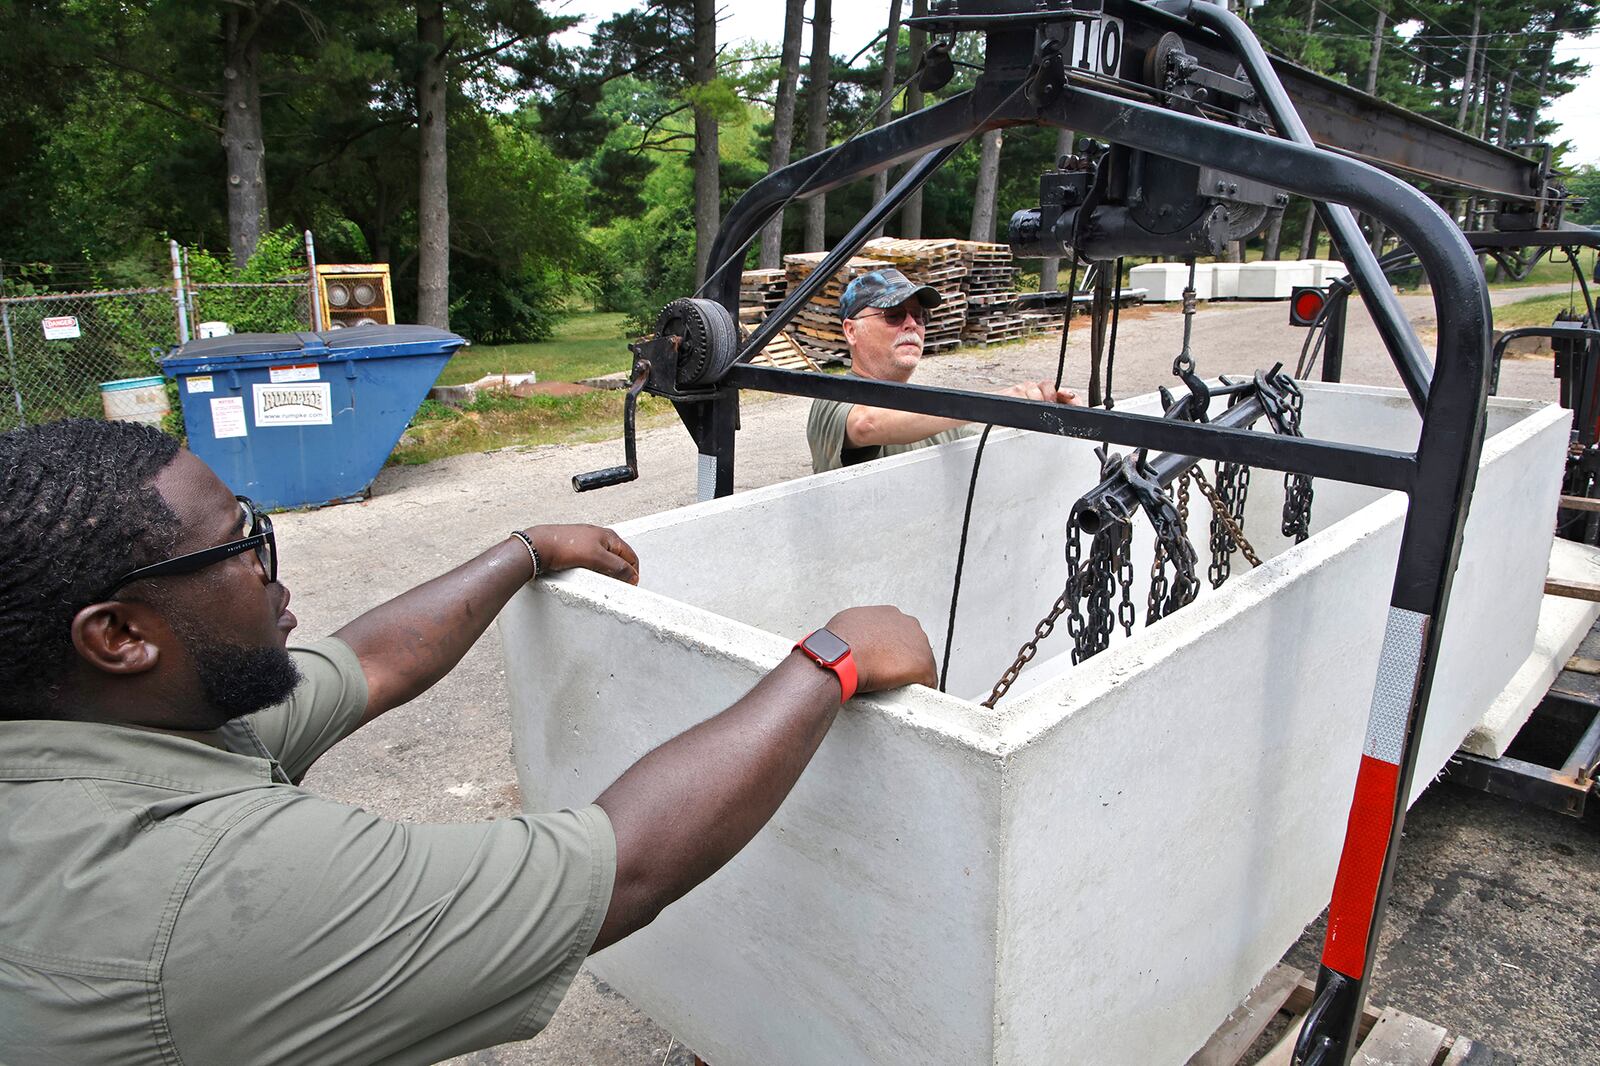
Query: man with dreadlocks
[[172, 895]]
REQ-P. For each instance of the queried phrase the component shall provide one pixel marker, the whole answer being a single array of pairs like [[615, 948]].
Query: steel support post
[[1333, 328], [177, 293], [11, 354]]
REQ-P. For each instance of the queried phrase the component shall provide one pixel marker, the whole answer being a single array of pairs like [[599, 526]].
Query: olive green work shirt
[[164, 901], [825, 433]]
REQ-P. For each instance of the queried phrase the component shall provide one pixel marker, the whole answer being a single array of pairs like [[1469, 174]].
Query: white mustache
[[911, 338]]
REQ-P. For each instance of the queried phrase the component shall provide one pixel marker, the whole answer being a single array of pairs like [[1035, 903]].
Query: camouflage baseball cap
[[884, 288]]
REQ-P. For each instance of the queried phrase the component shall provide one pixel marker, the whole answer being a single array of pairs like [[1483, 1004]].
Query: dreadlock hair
[[77, 511]]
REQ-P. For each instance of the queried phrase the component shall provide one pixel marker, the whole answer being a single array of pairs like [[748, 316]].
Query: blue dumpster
[[303, 419]]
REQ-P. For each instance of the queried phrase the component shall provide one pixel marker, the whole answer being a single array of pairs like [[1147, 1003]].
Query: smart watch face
[[828, 648]]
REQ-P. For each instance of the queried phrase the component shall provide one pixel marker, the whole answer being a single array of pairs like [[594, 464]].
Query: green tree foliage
[[1585, 182]]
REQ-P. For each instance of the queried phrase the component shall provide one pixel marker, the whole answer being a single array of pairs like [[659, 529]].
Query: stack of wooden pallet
[[816, 328], [991, 287], [983, 330], [759, 292], [990, 269], [1035, 322], [931, 262]]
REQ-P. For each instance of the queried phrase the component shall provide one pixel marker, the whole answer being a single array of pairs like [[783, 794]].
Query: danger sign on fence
[[61, 328]]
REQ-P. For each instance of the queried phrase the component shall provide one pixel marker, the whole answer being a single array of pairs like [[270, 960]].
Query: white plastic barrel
[[135, 400]]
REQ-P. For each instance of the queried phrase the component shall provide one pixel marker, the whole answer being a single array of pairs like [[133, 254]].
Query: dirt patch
[[1138, 311], [551, 388]]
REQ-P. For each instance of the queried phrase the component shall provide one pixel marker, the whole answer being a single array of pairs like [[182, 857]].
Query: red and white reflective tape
[[1366, 838]]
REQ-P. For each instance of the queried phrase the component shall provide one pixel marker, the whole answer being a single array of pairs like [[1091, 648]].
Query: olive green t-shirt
[[825, 434], [165, 901]]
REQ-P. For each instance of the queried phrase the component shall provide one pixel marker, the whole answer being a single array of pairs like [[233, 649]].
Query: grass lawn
[[1536, 310], [497, 420], [1558, 272], [585, 345]]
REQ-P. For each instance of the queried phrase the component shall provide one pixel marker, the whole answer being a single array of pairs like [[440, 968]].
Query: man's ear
[[849, 328], [117, 638]]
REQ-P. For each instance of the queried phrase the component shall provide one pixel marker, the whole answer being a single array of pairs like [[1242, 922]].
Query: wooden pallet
[[782, 351], [1388, 1037]]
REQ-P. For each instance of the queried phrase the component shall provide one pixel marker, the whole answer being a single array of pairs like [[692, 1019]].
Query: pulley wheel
[[709, 340], [1156, 59]]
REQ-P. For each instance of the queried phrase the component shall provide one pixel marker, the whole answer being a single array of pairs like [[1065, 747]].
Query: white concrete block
[[1099, 869], [1165, 282], [1273, 280], [1563, 623], [1326, 270], [1225, 280]]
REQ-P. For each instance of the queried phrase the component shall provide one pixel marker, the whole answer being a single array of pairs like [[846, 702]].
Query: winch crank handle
[[620, 475]]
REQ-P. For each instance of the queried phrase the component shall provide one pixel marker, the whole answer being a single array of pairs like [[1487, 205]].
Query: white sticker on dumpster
[[201, 383], [278, 375], [294, 405], [227, 417]]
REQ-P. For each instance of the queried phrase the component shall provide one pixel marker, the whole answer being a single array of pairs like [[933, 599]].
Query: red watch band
[[823, 648]]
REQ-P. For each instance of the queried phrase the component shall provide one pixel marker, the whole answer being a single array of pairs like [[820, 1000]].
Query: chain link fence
[[59, 348]]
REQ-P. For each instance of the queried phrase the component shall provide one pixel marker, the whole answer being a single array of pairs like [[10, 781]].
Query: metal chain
[[1155, 602], [1158, 586], [1099, 578], [1074, 566], [1046, 626], [1233, 486], [1221, 511], [1296, 487], [1066, 603], [1186, 585], [1222, 546], [1126, 615]]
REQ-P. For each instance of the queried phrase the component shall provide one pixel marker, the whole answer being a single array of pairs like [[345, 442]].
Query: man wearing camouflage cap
[[885, 318]]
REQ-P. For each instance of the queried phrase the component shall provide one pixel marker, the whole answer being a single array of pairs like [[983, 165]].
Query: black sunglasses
[[894, 316], [260, 540]]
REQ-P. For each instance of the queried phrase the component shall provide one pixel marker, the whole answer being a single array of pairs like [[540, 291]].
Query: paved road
[[1495, 909]]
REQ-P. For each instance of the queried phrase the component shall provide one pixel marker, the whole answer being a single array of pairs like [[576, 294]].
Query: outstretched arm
[[866, 427], [413, 640], [687, 807]]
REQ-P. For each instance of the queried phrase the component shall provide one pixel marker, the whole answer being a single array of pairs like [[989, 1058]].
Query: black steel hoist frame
[[1024, 83]]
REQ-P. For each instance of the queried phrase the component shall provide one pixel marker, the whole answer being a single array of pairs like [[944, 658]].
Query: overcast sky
[[856, 23]]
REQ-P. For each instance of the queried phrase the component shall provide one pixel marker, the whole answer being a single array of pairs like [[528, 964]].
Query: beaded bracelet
[[533, 553]]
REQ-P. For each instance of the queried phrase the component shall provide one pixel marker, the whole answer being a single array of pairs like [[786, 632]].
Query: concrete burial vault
[[1098, 870]]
